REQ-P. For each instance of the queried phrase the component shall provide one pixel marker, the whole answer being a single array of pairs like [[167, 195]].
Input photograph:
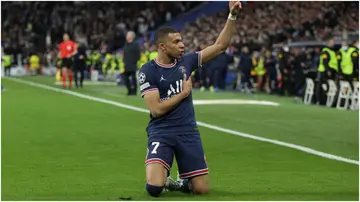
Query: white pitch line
[[217, 128], [235, 102]]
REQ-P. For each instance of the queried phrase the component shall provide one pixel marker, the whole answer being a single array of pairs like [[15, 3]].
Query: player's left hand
[[235, 7]]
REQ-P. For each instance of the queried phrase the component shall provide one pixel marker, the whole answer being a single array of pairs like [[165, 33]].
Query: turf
[[60, 147]]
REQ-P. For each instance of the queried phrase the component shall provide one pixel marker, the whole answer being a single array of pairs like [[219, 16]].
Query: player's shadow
[[191, 197], [258, 195], [239, 195]]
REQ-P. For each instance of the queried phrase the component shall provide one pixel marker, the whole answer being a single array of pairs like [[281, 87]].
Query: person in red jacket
[[67, 50]]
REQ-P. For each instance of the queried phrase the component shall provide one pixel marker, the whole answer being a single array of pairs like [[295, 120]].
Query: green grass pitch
[[57, 146]]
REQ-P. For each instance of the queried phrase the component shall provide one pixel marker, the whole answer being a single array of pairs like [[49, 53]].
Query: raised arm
[[223, 40]]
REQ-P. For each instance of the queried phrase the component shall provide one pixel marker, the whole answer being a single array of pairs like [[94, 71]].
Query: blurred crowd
[[34, 26], [258, 57], [268, 23]]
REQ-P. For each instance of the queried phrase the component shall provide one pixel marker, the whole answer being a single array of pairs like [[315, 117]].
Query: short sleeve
[[146, 81], [194, 59]]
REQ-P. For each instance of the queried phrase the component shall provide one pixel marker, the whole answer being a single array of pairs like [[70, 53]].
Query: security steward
[[327, 69], [349, 56]]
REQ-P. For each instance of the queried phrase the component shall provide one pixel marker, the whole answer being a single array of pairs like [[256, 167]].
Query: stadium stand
[[265, 28], [43, 23]]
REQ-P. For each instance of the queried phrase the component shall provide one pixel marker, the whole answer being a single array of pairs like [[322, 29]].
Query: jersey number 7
[[154, 151]]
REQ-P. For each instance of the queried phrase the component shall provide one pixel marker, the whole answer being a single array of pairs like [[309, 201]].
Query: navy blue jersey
[[167, 80]]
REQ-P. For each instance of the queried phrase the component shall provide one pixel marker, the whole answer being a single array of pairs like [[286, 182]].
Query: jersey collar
[[165, 65]]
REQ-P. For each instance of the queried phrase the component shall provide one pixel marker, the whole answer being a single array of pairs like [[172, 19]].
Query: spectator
[[131, 57], [245, 66]]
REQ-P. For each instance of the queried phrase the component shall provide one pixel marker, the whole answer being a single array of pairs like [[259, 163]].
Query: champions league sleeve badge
[[142, 78], [182, 69]]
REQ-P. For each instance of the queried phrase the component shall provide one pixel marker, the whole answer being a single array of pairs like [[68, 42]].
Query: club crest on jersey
[[142, 78], [182, 69]]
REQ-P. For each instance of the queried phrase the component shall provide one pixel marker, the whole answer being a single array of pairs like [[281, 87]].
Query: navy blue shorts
[[187, 150]]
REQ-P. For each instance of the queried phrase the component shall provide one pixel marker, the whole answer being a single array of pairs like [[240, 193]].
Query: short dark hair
[[163, 32]]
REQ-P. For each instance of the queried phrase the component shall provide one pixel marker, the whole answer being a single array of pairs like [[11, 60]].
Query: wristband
[[232, 17]]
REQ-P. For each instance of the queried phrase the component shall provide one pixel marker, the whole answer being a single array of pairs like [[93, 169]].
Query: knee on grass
[[197, 186], [200, 190], [154, 191]]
